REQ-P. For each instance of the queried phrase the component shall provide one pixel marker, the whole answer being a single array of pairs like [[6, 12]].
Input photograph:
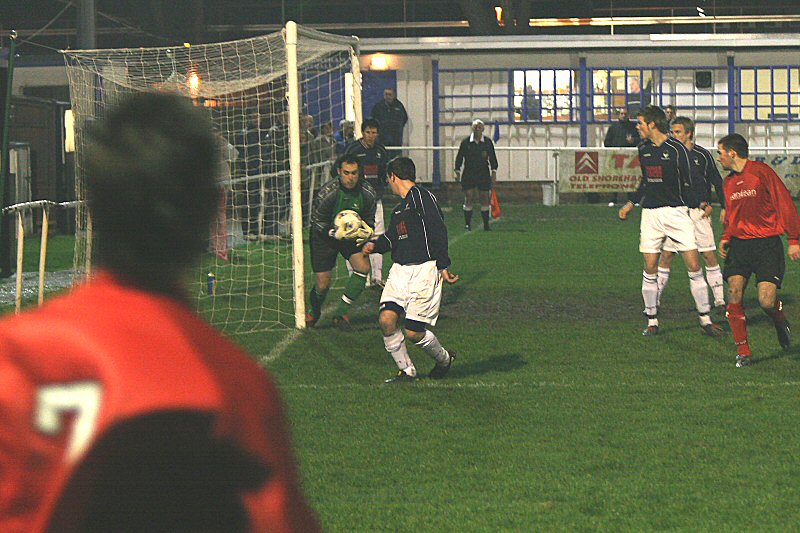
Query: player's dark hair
[[403, 168], [687, 123], [655, 114], [370, 123], [151, 188], [737, 143], [347, 158], [670, 106]]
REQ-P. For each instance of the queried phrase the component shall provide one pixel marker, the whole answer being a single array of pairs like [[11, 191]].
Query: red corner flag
[[494, 204]]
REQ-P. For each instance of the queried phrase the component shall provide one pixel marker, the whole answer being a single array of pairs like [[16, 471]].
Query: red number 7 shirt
[[75, 373]]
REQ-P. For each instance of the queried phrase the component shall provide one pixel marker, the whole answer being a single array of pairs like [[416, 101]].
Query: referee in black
[[477, 155]]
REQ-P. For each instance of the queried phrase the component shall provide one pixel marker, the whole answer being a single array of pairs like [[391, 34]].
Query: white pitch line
[[279, 349], [449, 384]]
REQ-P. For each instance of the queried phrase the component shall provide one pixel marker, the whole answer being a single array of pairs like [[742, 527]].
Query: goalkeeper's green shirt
[[333, 198]]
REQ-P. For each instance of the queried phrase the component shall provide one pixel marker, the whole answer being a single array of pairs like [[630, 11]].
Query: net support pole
[[355, 69], [5, 237], [43, 250], [20, 255], [295, 166], [89, 234]]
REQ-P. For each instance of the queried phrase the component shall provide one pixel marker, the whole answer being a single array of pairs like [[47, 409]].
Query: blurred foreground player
[[417, 238], [759, 209], [121, 410]]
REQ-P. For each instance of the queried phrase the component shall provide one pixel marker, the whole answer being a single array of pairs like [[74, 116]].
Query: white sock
[[650, 294], [376, 261], [697, 284], [663, 279], [434, 348], [714, 278], [396, 346]]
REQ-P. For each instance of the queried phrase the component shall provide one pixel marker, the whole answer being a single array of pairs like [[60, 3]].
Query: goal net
[[275, 102]]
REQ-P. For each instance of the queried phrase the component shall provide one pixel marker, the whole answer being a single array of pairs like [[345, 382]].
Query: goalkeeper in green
[[347, 191]]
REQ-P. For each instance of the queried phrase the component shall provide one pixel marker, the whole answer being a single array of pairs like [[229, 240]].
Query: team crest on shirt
[[402, 230]]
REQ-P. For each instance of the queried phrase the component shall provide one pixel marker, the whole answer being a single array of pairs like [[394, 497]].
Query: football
[[347, 222]]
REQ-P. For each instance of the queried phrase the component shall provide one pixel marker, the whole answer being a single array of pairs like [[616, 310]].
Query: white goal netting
[[247, 281]]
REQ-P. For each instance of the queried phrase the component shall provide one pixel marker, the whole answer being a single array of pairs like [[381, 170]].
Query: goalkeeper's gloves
[[363, 234], [340, 233], [458, 174]]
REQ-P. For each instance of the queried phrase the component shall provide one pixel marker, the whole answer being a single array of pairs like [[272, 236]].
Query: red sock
[[738, 322]]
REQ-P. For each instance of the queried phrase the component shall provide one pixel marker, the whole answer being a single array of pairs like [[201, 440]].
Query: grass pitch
[[557, 415]]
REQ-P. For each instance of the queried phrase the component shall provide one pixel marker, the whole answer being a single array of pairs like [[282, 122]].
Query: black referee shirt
[[477, 157]]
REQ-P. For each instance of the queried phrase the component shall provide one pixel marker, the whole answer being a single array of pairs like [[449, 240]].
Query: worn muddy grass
[[558, 414]]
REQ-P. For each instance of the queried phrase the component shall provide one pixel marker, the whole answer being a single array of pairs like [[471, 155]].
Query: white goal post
[[275, 102]]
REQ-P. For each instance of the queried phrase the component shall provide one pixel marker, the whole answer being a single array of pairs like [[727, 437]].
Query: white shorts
[[417, 289], [703, 233], [661, 223]]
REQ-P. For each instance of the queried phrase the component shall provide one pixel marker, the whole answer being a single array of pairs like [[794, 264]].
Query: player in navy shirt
[[666, 193], [704, 175], [373, 159], [417, 238]]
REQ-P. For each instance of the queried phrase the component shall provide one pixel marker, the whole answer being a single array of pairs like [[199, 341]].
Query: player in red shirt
[[758, 210], [120, 409]]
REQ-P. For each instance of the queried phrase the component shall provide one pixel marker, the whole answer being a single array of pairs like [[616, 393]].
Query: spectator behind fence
[[637, 98], [392, 117], [324, 146], [622, 133], [121, 409], [671, 111], [344, 136]]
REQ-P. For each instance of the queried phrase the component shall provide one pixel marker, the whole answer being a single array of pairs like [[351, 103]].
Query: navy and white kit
[[704, 175], [417, 237], [666, 194]]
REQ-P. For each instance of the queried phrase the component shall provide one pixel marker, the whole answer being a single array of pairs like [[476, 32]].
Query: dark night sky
[[167, 22]]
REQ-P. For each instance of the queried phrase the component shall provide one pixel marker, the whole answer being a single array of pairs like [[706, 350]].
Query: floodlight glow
[[193, 82], [379, 62]]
